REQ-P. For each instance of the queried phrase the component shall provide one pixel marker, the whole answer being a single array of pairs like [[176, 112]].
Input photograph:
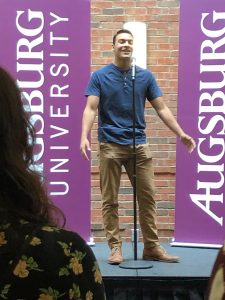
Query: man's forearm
[[87, 122], [169, 120]]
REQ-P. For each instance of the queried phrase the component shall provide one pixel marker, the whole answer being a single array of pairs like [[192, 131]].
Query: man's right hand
[[84, 147]]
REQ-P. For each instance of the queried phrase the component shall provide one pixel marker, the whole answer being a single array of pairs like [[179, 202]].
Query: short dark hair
[[119, 32]]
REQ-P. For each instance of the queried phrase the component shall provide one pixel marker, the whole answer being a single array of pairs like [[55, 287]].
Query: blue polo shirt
[[115, 112]]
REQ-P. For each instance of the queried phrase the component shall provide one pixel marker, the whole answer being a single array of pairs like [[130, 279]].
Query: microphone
[[133, 69]]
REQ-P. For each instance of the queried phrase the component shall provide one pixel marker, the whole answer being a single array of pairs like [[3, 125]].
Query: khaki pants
[[111, 159]]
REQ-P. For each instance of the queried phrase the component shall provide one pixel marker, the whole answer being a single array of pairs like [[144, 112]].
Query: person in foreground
[[38, 259], [110, 93], [216, 285]]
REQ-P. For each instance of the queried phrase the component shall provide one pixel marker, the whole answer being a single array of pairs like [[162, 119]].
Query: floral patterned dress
[[52, 263]]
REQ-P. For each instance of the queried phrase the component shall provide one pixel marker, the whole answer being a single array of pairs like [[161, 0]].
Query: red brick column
[[161, 17]]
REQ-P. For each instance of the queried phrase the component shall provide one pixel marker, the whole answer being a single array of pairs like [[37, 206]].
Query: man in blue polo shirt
[[109, 93]]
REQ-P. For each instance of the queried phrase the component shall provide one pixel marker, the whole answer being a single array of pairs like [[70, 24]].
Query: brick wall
[[161, 17]]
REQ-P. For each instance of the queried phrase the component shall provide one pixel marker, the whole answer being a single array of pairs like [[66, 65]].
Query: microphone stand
[[135, 263]]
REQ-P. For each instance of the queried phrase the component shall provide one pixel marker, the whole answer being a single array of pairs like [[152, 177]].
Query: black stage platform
[[186, 280]]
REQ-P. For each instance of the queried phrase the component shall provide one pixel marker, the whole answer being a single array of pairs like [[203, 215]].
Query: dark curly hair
[[22, 191]]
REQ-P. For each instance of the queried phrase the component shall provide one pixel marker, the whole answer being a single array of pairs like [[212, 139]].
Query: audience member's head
[[38, 259], [22, 193], [216, 286]]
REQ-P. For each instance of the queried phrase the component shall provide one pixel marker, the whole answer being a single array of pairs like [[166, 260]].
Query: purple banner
[[45, 44], [200, 208]]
